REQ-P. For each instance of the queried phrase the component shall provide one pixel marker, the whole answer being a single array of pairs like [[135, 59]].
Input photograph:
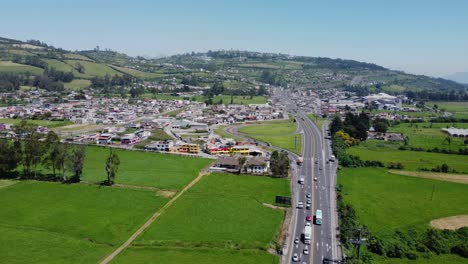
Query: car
[[306, 251], [309, 201], [300, 205], [296, 240], [295, 257], [316, 161], [308, 195], [308, 218], [308, 206], [315, 179], [320, 168]]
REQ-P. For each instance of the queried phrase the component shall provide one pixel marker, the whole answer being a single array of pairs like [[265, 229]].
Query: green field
[[142, 255], [386, 202], [436, 259], [459, 109], [8, 66], [46, 123], [387, 152], [281, 133], [139, 74], [77, 84], [319, 121], [93, 69], [81, 223], [220, 131], [222, 211], [245, 100], [140, 168], [429, 136]]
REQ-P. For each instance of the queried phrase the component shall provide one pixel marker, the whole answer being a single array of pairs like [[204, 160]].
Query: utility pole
[[295, 142], [358, 242]]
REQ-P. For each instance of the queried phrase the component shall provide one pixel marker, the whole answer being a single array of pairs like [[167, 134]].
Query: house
[[164, 145], [189, 148], [257, 165], [227, 164], [129, 139], [105, 138]]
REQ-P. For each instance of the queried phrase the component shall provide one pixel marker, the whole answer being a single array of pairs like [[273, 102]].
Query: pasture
[[386, 202], [429, 135], [146, 255], [280, 133], [458, 109], [77, 84], [46, 123], [164, 171], [81, 223], [8, 66], [222, 211], [388, 152]]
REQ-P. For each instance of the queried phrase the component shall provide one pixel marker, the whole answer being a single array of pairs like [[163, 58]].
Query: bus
[[318, 217]]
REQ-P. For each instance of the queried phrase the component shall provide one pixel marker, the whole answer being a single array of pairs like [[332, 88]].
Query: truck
[[301, 179], [300, 161], [307, 234], [318, 217]]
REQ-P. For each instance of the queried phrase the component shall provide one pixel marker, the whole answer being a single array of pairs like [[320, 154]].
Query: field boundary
[[457, 178], [151, 220]]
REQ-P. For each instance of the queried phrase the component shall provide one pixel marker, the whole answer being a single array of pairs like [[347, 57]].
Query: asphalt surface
[[316, 154]]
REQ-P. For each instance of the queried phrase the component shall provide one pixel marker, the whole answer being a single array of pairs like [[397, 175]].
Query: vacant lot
[[221, 211], [46, 123], [386, 202], [144, 255], [81, 223], [388, 152], [281, 133], [163, 171]]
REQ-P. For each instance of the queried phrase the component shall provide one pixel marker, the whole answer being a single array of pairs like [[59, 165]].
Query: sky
[[417, 36]]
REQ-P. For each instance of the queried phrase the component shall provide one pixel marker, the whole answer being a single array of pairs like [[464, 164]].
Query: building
[[164, 145], [257, 165], [105, 138], [456, 132], [189, 148], [227, 164]]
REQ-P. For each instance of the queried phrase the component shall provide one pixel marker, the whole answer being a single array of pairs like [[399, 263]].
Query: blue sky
[[417, 36]]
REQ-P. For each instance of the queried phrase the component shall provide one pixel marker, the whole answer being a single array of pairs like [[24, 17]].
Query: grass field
[[319, 121], [139, 74], [459, 109], [222, 210], [8, 66], [440, 259], [387, 152], [93, 69], [145, 255], [279, 133], [47, 123], [77, 84], [392, 201], [139, 168], [220, 131], [245, 100], [79, 222], [428, 136]]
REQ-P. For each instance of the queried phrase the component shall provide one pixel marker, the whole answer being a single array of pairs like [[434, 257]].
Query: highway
[[324, 247]]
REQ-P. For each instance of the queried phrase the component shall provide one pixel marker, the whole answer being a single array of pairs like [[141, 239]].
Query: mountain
[[242, 70], [460, 77]]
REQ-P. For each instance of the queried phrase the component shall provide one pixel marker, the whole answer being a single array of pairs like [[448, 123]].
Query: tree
[[76, 162], [52, 149], [80, 68], [112, 166], [336, 125], [380, 125], [9, 156]]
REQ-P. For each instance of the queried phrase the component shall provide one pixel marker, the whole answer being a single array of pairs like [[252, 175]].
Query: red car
[[309, 218]]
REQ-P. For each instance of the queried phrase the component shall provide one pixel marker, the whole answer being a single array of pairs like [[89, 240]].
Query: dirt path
[[150, 221], [452, 222], [458, 178]]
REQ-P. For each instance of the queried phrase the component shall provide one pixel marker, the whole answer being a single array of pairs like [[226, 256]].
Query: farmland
[[8, 66], [82, 223], [144, 169], [412, 203], [47, 123], [225, 219], [388, 152], [458, 109], [143, 255], [281, 133], [429, 135]]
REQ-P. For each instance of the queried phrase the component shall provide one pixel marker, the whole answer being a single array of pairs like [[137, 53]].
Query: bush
[[395, 165]]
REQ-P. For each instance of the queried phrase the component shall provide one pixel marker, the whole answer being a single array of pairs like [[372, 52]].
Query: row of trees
[[30, 150], [9, 82]]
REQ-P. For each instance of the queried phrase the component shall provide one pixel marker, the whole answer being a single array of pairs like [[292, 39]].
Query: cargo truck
[[307, 234], [300, 161]]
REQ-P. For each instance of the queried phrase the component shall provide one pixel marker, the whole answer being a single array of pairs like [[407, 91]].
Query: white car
[[300, 205], [306, 251], [295, 257], [315, 179], [307, 224]]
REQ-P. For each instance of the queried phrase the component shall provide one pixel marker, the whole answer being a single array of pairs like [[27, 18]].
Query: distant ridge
[[460, 77]]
